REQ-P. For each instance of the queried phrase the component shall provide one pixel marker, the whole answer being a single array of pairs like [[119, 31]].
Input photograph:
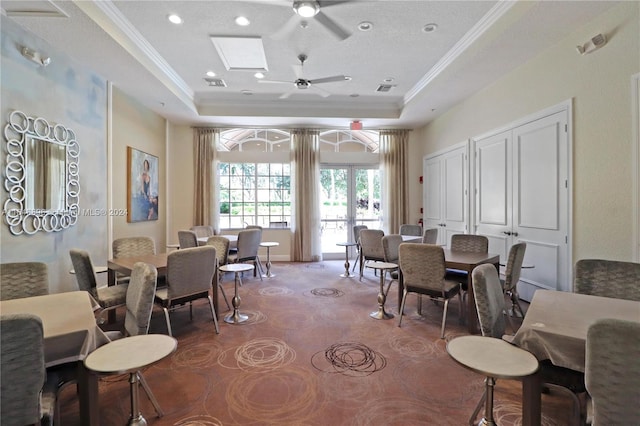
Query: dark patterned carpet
[[311, 355]]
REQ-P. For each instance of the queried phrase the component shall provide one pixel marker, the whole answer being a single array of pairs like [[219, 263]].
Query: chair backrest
[[409, 229], [133, 246], [356, 232], [190, 271], [22, 368], [391, 245], [203, 230], [514, 265], [140, 294], [612, 371], [430, 236], [248, 244], [489, 300], [23, 279], [469, 243], [85, 276], [221, 245], [607, 278], [371, 243], [422, 266], [187, 239]]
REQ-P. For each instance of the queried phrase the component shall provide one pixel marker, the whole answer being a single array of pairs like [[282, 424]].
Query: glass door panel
[[350, 195]]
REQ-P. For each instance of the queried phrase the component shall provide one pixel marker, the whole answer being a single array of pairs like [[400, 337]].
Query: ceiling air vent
[[215, 82], [385, 87]]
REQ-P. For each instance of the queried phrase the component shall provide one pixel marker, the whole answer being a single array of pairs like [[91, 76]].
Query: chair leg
[[444, 317], [190, 311], [150, 394], [472, 419], [224, 295], [361, 267], [462, 309], [404, 298], [419, 304], [213, 314], [355, 262], [257, 267], [166, 316]]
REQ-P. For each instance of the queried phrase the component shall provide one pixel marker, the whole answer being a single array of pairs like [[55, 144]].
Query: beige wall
[[600, 86], [136, 126], [180, 181]]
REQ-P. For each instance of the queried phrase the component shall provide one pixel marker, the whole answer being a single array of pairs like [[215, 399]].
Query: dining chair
[[370, 247], [409, 229], [139, 303], [391, 245], [130, 247], [491, 308], [24, 398], [512, 276], [110, 297], [187, 239], [469, 244], [356, 239], [490, 305], [423, 272], [203, 231], [612, 371], [248, 245], [607, 278], [258, 256], [221, 244], [190, 273], [23, 279], [430, 236]]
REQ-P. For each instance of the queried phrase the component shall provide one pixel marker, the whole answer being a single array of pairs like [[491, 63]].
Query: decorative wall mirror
[[41, 175]]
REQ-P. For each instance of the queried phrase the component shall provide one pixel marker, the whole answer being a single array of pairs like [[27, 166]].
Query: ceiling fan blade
[[320, 91], [332, 26], [327, 3], [275, 81], [329, 79], [287, 28]]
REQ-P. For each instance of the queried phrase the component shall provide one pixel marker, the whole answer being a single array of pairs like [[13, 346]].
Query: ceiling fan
[[308, 9], [303, 84]]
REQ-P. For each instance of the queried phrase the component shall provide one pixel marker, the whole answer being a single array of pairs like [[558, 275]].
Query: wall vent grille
[[385, 87]]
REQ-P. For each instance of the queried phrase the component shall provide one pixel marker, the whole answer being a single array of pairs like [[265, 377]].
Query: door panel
[[445, 198]]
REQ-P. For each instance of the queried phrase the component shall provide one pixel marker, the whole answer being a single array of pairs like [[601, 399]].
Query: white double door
[[521, 190], [445, 192]]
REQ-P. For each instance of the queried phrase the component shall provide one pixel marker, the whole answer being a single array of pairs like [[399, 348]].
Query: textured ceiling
[[132, 44]]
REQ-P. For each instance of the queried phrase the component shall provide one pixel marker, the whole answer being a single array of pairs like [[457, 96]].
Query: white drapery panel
[[205, 208], [305, 168], [393, 149]]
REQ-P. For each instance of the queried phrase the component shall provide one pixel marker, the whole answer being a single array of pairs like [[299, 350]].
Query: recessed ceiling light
[[388, 79], [175, 19], [258, 75], [211, 74], [306, 9], [429, 28], [365, 26], [243, 21]]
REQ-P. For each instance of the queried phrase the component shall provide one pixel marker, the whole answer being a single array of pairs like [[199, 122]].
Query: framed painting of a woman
[[142, 186]]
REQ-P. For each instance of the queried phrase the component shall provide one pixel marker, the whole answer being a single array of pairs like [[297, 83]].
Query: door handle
[[515, 234], [506, 232]]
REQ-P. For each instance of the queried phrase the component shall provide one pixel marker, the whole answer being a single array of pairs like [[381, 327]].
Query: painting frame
[[142, 186]]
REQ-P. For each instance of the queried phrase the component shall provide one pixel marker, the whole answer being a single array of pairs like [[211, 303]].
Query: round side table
[[346, 246], [268, 245], [383, 267], [129, 355], [493, 358], [237, 268]]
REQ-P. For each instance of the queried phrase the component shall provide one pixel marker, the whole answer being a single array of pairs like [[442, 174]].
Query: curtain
[[305, 167], [205, 209], [393, 164]]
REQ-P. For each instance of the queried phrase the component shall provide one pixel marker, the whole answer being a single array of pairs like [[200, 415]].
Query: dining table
[[233, 240], [70, 335], [555, 328], [124, 265], [466, 261]]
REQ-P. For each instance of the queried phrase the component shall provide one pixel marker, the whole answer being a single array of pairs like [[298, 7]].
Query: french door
[[349, 195]]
